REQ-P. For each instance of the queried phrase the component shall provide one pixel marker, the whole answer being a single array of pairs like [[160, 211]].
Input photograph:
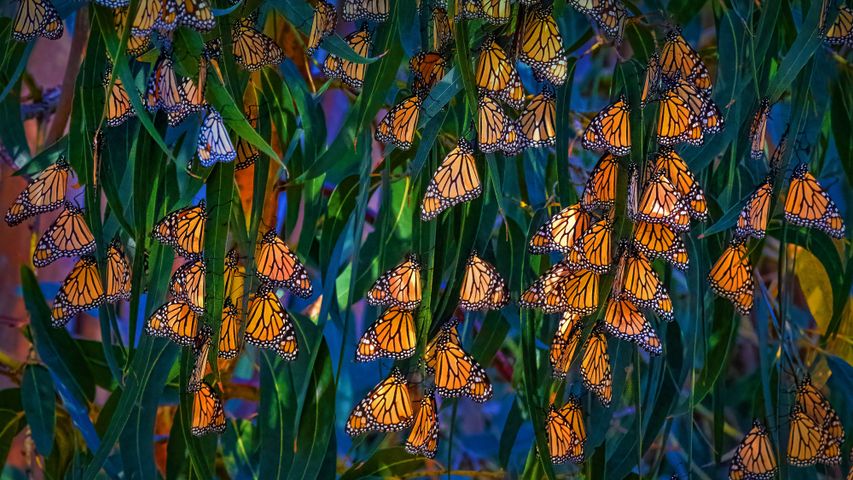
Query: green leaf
[[38, 399], [385, 462]]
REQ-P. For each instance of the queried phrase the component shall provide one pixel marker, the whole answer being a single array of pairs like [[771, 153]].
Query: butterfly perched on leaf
[[495, 71], [176, 321], [188, 284], [731, 276], [183, 229], [561, 231], [803, 439], [752, 220], [685, 114], [493, 126], [81, 290], [400, 123], [372, 10], [208, 415], [392, 335], [214, 144], [566, 432], [351, 73], [808, 205], [119, 108], [428, 68], [36, 18], [495, 12], [253, 49], [136, 44], [483, 288], [538, 121], [277, 265], [754, 458], [400, 286], [638, 281], [67, 236], [235, 274], [229, 332], [442, 33], [322, 25], [815, 406], [679, 174], [679, 59], [600, 188], [661, 202], [658, 240], [840, 32], [44, 192], [423, 439], [758, 129], [563, 288], [595, 366], [268, 325], [623, 320], [610, 129], [165, 90], [565, 344], [541, 45], [610, 15], [454, 371], [386, 408], [118, 273], [248, 154], [455, 181], [594, 249]]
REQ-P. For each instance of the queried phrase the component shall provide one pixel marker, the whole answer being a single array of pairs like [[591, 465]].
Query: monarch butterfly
[[563, 289], [253, 49], [423, 439], [36, 18], [441, 31], [539, 120], [600, 188], [593, 250], [167, 20], [323, 25], [610, 130], [652, 80], [495, 70], [595, 366], [758, 129], [146, 16], [752, 220], [119, 108], [164, 91], [387, 408], [566, 432], [351, 73], [400, 286], [455, 181], [68, 236], [136, 44], [214, 144], [803, 439], [754, 458], [841, 30], [118, 273], [561, 231], [175, 320], [637, 280], [812, 402], [483, 288], [492, 125], [657, 240], [196, 14], [400, 123], [392, 335], [373, 10], [234, 275], [677, 121], [200, 350], [565, 344], [512, 143], [248, 154], [731, 276], [428, 68], [542, 45], [183, 229], [679, 174], [623, 320], [44, 192], [455, 372], [610, 15], [81, 290], [661, 202], [193, 91], [208, 414], [678, 59], [513, 94], [268, 325], [808, 205], [496, 12], [277, 265], [187, 284], [229, 332]]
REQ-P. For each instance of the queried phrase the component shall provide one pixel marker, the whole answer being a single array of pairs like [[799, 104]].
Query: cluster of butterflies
[[181, 319], [67, 237], [388, 406], [815, 436], [807, 204]]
